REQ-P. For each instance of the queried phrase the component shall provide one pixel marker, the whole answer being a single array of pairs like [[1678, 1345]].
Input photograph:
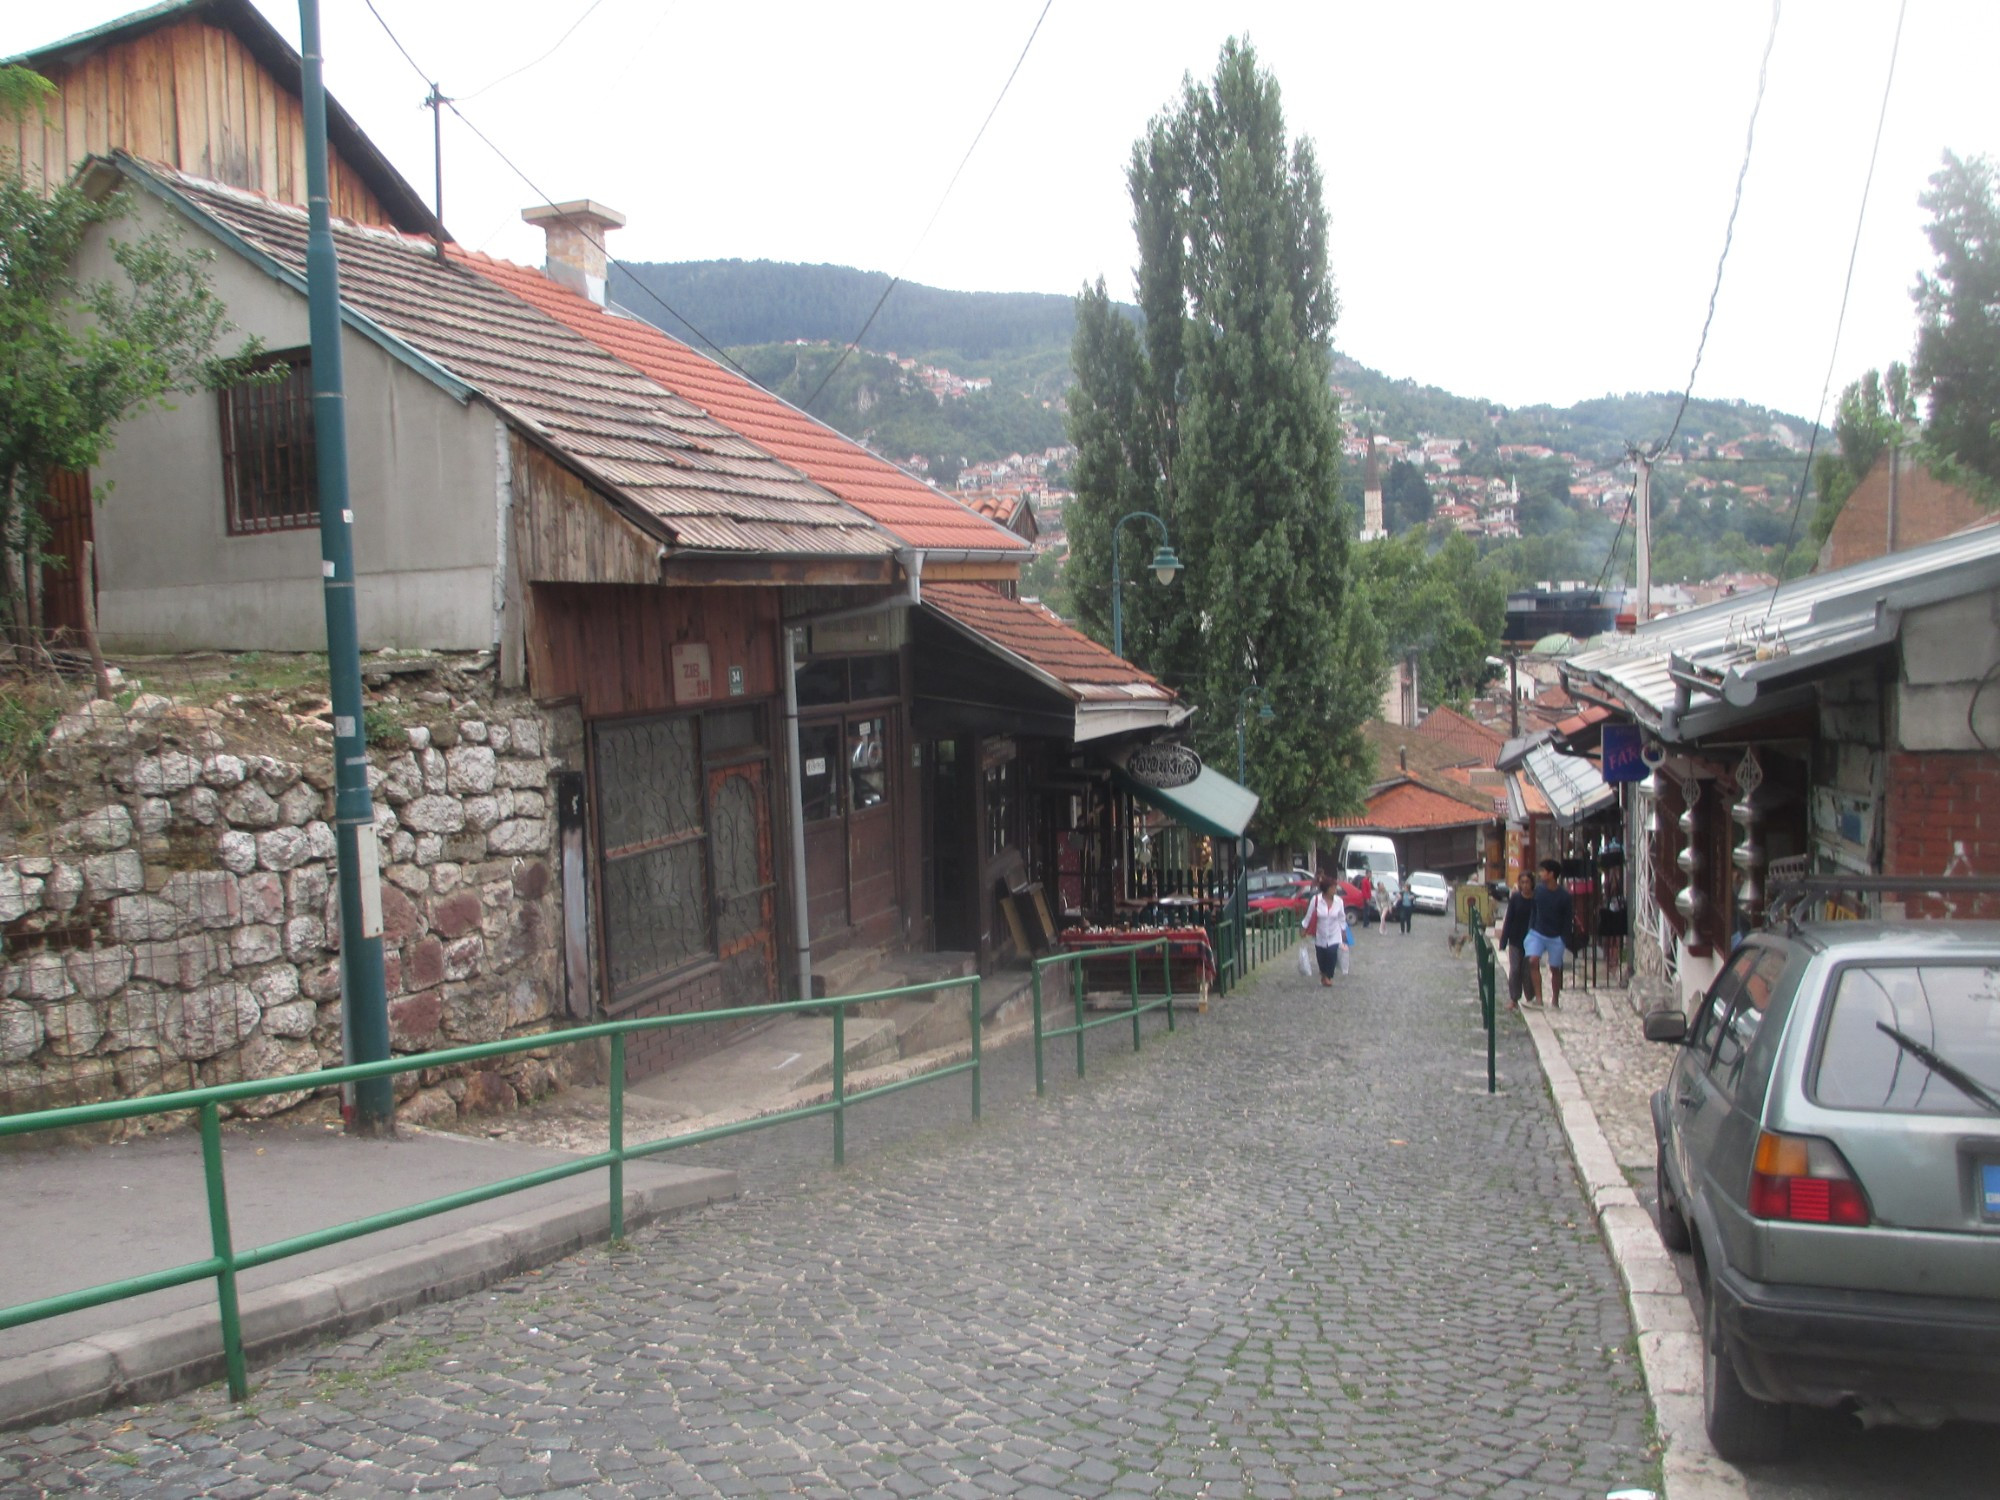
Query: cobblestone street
[[1293, 1249]]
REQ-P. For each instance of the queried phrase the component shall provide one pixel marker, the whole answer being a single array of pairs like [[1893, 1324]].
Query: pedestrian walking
[[1406, 907], [1548, 930], [1326, 921], [1513, 933], [1364, 893]]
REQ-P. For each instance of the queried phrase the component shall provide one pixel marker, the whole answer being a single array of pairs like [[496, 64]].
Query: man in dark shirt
[[1513, 933], [1548, 930]]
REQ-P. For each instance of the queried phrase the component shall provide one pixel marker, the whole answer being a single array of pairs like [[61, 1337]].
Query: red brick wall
[[650, 1052], [1926, 509], [1942, 817]]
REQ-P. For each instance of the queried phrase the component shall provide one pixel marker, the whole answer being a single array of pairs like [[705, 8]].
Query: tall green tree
[[1406, 498], [1958, 316], [1867, 419], [1216, 415], [1442, 605]]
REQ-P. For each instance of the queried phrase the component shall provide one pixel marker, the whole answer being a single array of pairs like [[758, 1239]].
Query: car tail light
[[1803, 1179]]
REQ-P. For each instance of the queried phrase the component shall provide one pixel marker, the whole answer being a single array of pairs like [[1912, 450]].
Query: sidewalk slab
[[80, 1217]]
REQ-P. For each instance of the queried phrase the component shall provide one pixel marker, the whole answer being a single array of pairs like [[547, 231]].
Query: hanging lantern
[[1688, 900], [1748, 854]]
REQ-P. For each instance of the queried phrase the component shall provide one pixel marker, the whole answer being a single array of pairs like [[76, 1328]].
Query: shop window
[[270, 476], [868, 784], [819, 770], [1002, 806], [874, 677], [821, 681]]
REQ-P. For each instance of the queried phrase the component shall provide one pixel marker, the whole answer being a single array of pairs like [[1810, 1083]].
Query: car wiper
[[1951, 1073]]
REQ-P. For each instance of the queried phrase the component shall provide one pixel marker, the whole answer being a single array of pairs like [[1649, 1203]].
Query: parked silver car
[[1829, 1149]]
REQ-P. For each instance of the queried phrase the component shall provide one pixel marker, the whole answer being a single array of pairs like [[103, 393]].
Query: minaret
[[1372, 528]]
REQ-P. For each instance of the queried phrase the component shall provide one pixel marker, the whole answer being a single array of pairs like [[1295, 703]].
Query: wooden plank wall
[[607, 645], [565, 532], [188, 94]]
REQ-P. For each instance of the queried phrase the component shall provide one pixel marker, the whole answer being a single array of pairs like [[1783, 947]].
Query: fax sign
[[1624, 753]]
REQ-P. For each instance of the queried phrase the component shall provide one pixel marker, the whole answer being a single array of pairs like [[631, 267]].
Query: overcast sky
[[1527, 201]]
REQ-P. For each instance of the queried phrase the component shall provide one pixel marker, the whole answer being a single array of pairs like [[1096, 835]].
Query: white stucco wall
[[425, 484]]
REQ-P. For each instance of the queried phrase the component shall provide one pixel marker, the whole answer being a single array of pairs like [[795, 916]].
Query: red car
[[1288, 890]]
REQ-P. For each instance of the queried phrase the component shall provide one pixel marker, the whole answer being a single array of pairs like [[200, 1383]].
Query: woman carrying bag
[[1326, 921]]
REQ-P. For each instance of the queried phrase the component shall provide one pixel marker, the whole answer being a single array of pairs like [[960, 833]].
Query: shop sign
[[1163, 767], [1624, 753], [694, 678]]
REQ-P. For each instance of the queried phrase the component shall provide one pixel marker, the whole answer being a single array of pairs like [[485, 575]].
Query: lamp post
[[1165, 566], [1264, 716]]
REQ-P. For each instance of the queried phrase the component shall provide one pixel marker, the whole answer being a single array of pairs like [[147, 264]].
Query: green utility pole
[[363, 994]]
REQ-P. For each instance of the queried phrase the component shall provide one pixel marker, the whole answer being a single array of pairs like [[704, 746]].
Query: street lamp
[[1264, 716], [1165, 565]]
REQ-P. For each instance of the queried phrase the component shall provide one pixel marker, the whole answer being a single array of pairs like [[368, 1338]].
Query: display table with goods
[[1190, 958]]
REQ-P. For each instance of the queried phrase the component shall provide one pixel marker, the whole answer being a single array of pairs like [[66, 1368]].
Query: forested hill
[[739, 302]]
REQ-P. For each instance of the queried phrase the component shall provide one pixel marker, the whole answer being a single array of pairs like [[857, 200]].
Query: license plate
[[1989, 1189]]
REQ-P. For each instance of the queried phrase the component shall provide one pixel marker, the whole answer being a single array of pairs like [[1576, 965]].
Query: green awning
[[1210, 804]]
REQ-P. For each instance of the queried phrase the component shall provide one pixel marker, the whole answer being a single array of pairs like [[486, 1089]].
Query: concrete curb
[[1669, 1341], [163, 1356]]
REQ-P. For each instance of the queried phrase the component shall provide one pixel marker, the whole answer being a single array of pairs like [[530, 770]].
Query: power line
[[584, 233], [1853, 253], [588, 12], [1729, 231], [896, 280]]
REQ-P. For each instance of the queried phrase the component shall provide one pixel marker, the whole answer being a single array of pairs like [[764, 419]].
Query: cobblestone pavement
[[1294, 1249]]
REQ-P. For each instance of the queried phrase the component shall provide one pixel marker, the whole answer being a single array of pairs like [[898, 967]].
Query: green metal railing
[[1489, 984], [225, 1262], [1044, 1033]]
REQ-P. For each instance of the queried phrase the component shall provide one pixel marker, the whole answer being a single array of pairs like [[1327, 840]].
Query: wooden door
[[746, 887], [67, 512]]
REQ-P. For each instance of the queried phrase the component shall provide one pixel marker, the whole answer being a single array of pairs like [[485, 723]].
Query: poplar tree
[[1216, 413]]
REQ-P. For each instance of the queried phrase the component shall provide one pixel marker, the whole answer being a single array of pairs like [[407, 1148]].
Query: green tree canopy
[[1441, 604], [1958, 317], [1867, 420], [1406, 498], [1217, 416], [77, 358]]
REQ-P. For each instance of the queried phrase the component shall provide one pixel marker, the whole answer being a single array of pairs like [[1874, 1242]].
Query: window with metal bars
[[269, 474]]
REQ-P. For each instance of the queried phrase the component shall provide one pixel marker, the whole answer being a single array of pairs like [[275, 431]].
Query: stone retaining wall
[[178, 925]]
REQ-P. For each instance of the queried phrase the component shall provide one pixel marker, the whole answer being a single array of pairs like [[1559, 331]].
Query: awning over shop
[[1575, 787], [1211, 803]]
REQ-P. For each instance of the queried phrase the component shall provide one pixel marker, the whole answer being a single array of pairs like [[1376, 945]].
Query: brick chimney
[[576, 233]]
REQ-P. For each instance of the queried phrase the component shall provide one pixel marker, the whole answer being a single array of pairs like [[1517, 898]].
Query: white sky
[[1527, 200]]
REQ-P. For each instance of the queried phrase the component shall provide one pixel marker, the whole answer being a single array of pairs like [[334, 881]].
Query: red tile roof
[[1470, 741], [688, 478], [1043, 640], [916, 514], [1407, 805]]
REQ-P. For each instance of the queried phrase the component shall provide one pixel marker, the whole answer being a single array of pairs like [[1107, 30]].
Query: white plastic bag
[[1344, 960], [1308, 966]]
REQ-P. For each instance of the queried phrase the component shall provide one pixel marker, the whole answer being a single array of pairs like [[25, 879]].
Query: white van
[[1375, 853]]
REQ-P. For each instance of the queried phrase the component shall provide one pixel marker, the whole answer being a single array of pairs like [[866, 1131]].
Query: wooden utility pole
[[1642, 522]]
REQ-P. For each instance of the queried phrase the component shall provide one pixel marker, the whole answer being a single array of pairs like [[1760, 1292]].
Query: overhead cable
[[1729, 231], [896, 280], [1840, 322]]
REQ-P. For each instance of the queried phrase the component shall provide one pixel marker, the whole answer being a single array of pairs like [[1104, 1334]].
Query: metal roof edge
[[133, 169]]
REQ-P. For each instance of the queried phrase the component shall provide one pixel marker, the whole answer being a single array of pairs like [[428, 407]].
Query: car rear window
[[1950, 1010]]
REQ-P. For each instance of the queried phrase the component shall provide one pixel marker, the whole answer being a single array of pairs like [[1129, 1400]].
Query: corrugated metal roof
[[1734, 644], [916, 514], [704, 486], [1575, 787]]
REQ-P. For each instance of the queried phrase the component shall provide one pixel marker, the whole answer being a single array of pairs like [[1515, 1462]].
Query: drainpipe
[[795, 790]]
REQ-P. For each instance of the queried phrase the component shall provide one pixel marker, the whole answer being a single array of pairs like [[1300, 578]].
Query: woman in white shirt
[[1326, 920]]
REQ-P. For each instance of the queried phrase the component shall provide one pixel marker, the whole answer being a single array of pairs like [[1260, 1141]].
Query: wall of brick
[[1942, 812], [1927, 509]]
